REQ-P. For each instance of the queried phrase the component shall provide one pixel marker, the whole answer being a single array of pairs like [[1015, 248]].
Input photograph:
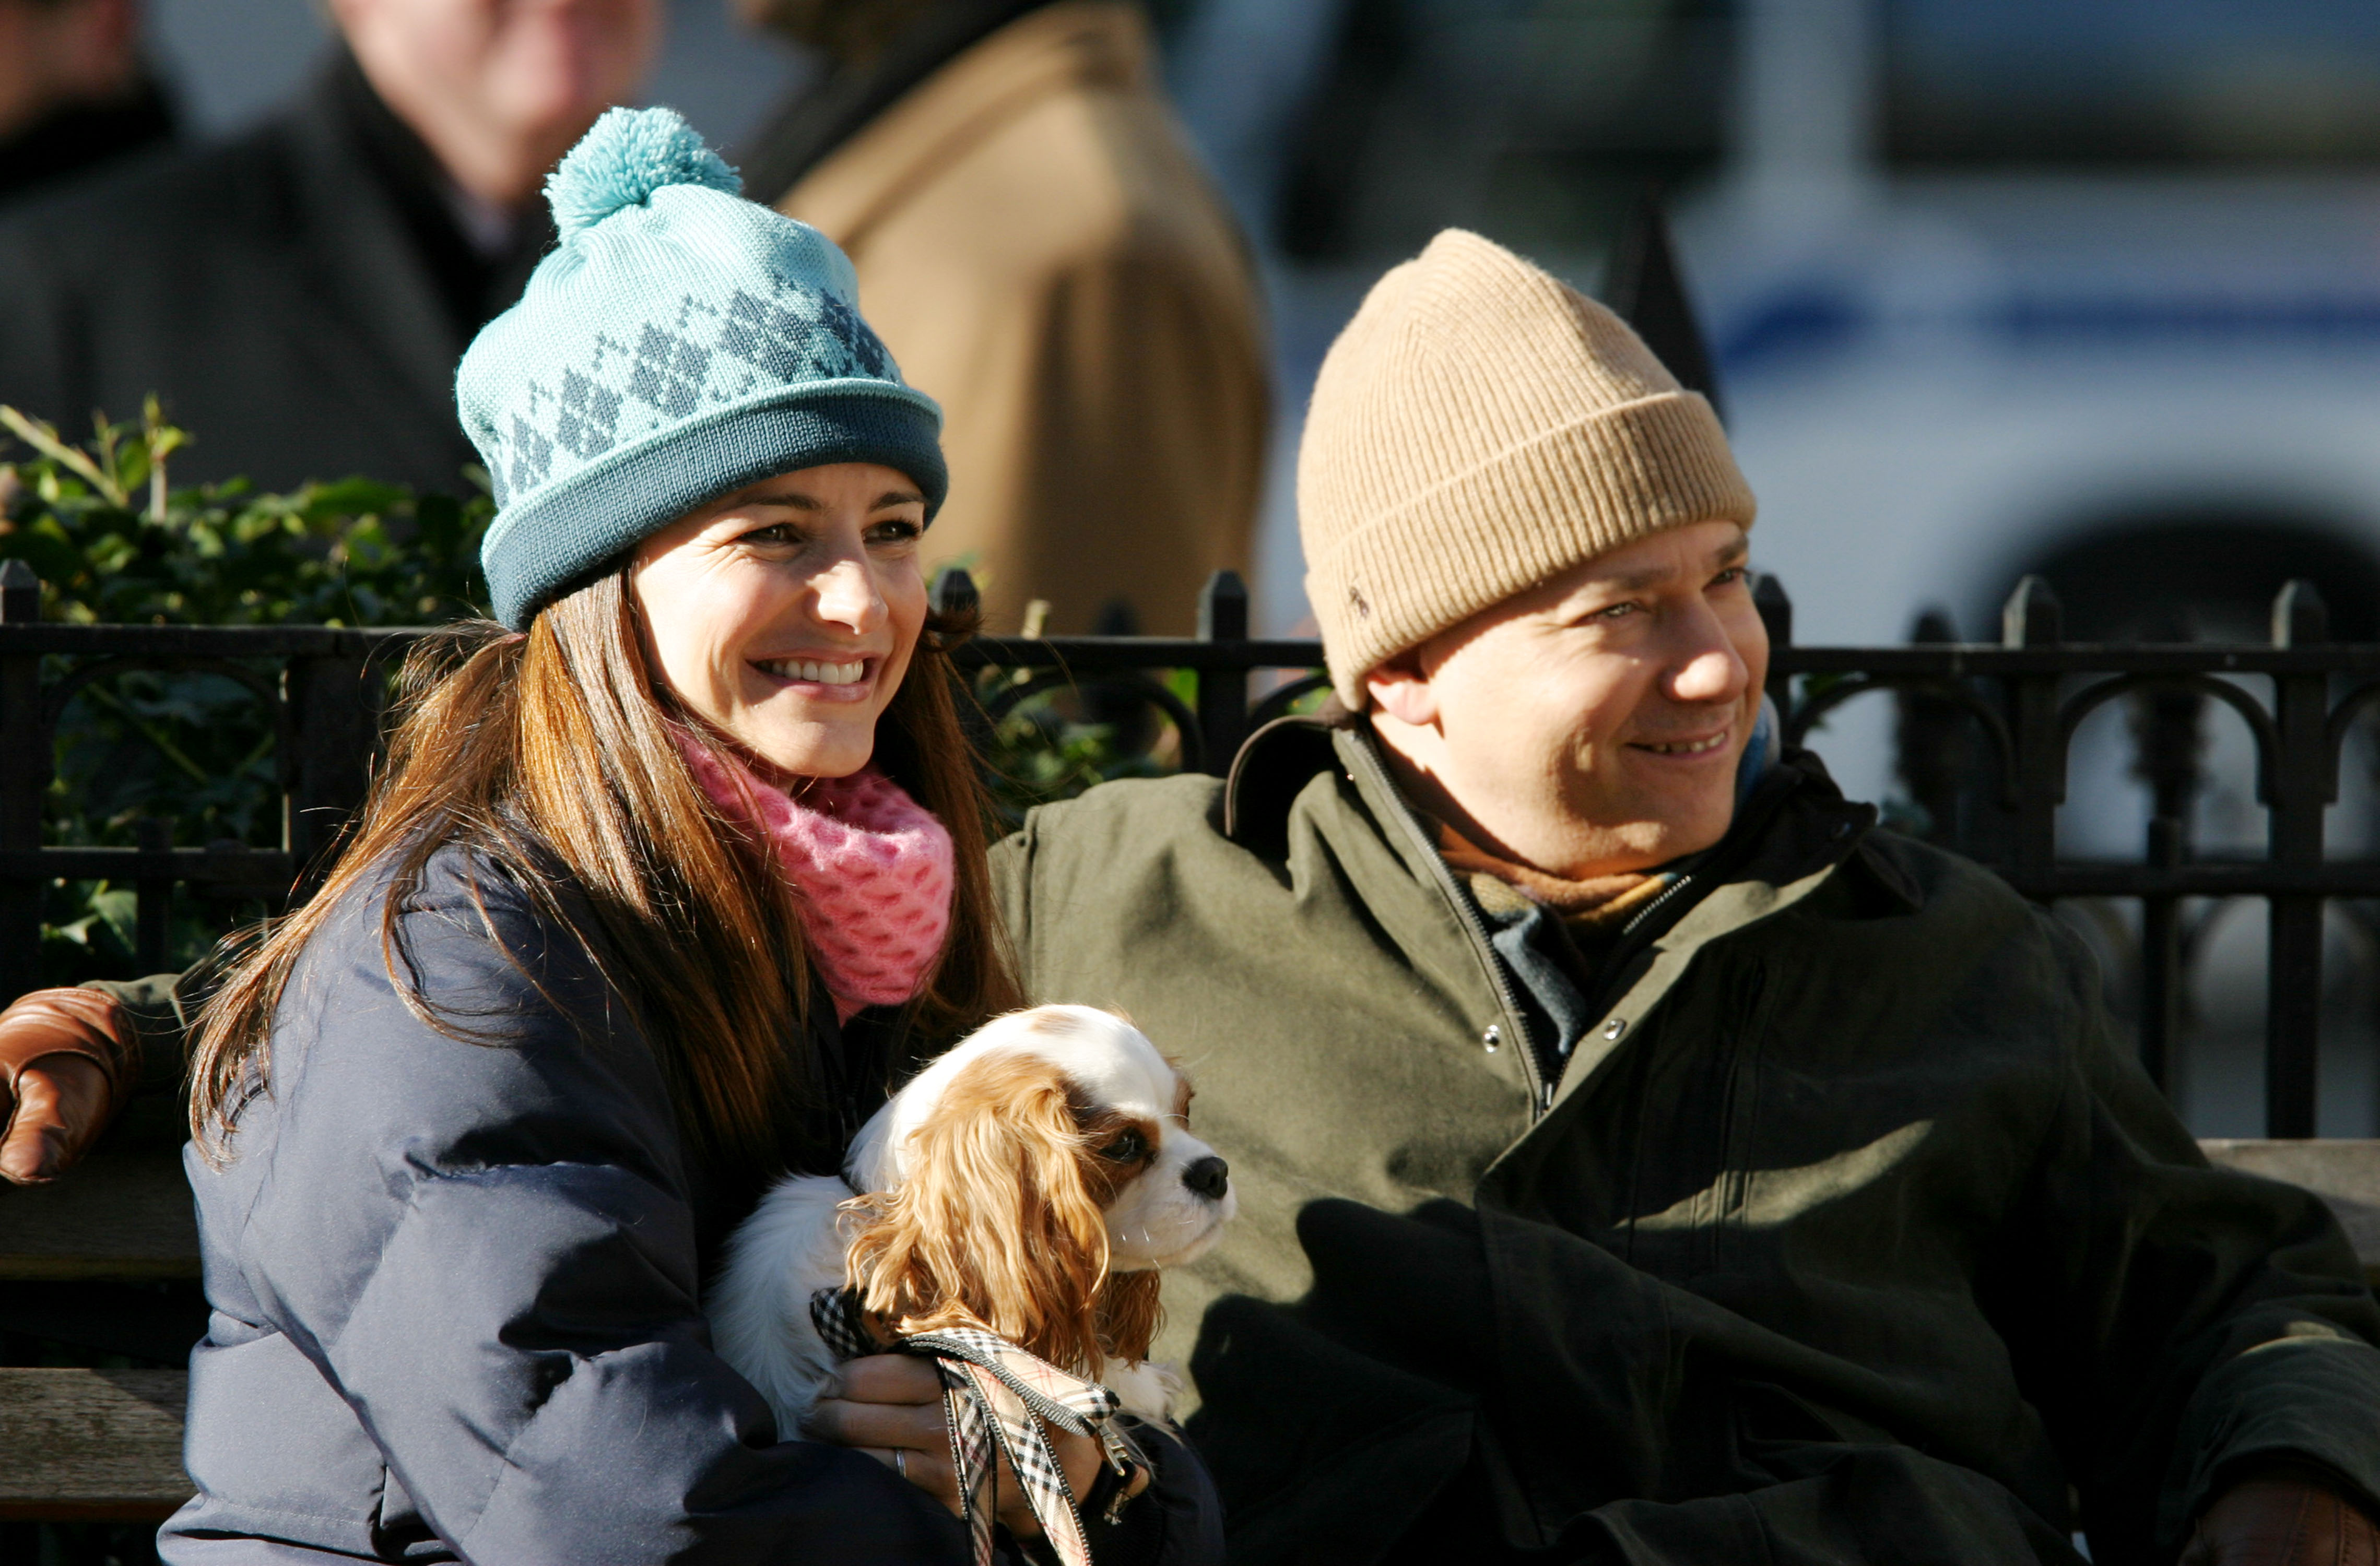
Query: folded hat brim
[[562, 533]]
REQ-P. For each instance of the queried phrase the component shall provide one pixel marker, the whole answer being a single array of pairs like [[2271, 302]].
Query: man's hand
[[2282, 1520], [66, 1067], [889, 1406]]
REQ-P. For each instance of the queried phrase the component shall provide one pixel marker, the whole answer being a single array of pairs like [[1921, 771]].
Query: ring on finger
[[901, 1460]]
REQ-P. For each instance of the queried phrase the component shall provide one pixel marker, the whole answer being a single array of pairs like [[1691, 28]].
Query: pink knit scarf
[[870, 869]]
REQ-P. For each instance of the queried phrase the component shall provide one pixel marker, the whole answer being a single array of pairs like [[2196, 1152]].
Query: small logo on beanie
[[1357, 601]]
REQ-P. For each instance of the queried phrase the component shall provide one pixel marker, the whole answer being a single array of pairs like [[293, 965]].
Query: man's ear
[[1400, 689]]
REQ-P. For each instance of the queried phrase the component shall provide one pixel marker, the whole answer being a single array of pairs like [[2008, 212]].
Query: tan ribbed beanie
[[1479, 428]]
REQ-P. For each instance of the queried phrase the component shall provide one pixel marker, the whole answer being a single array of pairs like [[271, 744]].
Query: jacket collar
[[1051, 49]]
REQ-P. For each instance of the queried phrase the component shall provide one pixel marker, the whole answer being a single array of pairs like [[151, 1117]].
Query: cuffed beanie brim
[[557, 540], [1478, 429]]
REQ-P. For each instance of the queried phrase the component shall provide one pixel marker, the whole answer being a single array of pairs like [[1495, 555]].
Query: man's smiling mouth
[[813, 671], [1687, 746]]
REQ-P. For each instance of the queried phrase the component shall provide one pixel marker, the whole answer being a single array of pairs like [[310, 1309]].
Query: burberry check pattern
[[995, 1397]]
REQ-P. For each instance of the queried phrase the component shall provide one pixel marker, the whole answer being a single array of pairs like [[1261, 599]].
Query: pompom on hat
[[679, 343]]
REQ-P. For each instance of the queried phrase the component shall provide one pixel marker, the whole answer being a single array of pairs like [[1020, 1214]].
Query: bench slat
[[91, 1445], [121, 1216], [2344, 1172]]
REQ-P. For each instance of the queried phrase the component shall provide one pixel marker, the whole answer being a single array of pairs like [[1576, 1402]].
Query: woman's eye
[[774, 534], [900, 531], [1130, 1147]]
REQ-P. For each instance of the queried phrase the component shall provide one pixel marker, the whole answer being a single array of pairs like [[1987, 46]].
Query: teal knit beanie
[[680, 342]]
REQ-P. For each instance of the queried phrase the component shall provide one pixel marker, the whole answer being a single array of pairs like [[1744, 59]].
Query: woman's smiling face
[[785, 614]]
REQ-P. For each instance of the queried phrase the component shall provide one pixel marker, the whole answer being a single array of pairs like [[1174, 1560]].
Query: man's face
[[1593, 724], [526, 73], [53, 53]]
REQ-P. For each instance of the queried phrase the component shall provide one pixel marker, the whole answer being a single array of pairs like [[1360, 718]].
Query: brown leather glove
[[68, 1061], [2282, 1520]]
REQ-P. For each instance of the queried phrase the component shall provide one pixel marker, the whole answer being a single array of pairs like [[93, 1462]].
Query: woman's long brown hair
[[551, 757]]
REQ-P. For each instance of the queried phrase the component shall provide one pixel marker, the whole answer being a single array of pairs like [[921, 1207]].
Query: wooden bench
[[106, 1445], [99, 1445], [96, 1445]]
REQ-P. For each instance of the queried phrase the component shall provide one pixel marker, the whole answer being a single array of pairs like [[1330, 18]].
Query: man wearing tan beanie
[[1642, 1158]]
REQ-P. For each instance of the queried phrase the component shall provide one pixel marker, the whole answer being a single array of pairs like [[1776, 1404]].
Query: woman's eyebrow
[[897, 497], [791, 499]]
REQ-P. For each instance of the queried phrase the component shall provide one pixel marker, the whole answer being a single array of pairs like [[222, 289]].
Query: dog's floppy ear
[[1129, 1313], [994, 1226]]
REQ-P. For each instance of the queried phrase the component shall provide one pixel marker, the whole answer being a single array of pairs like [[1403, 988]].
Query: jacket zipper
[[1669, 893], [1541, 1092]]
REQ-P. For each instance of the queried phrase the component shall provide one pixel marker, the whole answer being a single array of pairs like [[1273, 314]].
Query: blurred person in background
[[1042, 252], [74, 91], [298, 297]]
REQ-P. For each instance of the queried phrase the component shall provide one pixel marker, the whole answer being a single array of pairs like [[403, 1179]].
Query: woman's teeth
[[819, 673], [1689, 746]]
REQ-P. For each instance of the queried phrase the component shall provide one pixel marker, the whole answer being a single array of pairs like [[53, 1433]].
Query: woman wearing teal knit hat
[[666, 878]]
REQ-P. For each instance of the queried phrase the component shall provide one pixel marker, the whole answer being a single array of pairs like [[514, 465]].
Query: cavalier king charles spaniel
[[1031, 1182]]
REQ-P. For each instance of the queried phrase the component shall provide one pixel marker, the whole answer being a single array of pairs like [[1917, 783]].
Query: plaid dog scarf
[[995, 1396]]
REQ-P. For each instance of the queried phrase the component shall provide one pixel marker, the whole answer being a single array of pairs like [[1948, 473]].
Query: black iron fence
[[1984, 735]]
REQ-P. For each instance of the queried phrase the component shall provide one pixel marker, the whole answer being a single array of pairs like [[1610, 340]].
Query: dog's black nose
[[1210, 1177]]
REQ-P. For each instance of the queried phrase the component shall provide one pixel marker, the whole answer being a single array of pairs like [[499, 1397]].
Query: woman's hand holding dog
[[889, 1406]]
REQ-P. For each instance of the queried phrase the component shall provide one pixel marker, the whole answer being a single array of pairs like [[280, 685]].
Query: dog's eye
[[1130, 1147]]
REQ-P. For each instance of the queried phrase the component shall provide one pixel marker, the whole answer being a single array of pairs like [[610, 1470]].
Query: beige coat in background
[[1042, 251]]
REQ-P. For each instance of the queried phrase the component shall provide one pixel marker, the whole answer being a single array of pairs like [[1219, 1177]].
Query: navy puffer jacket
[[453, 1292]]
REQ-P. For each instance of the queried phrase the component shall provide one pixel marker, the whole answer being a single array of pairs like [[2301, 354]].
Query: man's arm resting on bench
[[70, 1060]]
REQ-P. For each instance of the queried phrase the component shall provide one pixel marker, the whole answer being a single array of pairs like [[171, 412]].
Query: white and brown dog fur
[[1031, 1180]]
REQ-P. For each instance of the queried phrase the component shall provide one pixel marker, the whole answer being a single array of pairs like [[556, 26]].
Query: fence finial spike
[[2033, 617], [1224, 608], [954, 592], [20, 591], [1776, 609], [1933, 623], [2300, 616]]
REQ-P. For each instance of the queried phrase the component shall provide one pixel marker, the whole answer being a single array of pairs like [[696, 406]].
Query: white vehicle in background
[[2158, 389]]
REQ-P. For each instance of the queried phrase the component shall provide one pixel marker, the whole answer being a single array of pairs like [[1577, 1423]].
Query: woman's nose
[[848, 596]]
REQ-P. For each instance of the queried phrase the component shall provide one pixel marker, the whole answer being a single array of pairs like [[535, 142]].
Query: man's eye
[[1732, 575], [1130, 1147], [1616, 612]]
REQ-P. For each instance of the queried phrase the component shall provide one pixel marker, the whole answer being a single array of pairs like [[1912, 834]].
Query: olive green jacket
[[1852, 1233]]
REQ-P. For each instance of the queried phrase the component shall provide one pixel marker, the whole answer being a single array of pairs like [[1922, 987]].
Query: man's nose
[[1709, 668], [1714, 675], [1208, 1177]]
